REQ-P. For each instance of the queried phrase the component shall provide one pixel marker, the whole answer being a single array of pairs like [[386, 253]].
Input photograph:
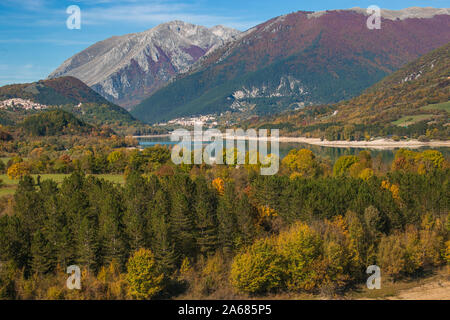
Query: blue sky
[[34, 39]]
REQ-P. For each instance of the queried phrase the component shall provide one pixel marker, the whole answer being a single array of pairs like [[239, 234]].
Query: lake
[[329, 153]]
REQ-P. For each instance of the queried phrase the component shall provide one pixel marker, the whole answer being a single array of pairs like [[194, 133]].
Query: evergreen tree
[[163, 247], [74, 202], [246, 220], [105, 202], [87, 243], [137, 198], [28, 205], [42, 254], [56, 229], [206, 218], [227, 219], [181, 224], [162, 242]]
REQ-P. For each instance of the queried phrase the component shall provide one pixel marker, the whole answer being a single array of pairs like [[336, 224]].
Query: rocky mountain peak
[[126, 69]]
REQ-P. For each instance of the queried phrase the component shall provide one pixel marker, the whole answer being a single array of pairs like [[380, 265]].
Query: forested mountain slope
[[413, 101], [300, 59]]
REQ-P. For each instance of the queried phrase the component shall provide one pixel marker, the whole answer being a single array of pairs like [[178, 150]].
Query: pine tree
[[206, 218], [28, 205], [55, 227], [163, 247], [245, 217], [107, 201], [162, 242], [181, 224], [227, 219], [137, 198], [42, 254], [87, 243]]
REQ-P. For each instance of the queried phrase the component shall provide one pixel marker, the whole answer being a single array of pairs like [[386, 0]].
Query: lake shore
[[374, 144], [381, 144]]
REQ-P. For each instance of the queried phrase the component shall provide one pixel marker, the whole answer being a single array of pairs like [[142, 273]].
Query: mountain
[[69, 93], [128, 68], [297, 60], [414, 101]]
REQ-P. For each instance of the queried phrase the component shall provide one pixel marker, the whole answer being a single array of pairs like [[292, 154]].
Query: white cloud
[[136, 13]]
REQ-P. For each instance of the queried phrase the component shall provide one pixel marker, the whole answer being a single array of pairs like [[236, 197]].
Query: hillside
[[53, 92], [19, 100], [297, 60], [55, 122], [413, 102], [129, 68]]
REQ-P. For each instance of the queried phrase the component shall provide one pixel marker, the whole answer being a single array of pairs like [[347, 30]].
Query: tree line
[[195, 229]]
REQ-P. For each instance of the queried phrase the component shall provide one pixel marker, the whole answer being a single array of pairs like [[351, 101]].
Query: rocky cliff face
[[129, 68]]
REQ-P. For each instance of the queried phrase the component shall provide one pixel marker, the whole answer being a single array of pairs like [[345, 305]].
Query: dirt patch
[[436, 290]]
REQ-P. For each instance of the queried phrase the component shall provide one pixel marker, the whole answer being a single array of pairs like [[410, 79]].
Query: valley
[[92, 187]]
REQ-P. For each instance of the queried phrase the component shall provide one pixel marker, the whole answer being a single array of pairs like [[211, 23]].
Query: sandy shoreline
[[374, 144]]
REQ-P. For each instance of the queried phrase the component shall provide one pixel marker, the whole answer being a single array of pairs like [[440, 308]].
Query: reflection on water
[[329, 153]]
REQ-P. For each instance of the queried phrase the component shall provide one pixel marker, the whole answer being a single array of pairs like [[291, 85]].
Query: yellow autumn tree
[[393, 188], [301, 249], [301, 162], [447, 252], [143, 277], [18, 170], [219, 185], [257, 270]]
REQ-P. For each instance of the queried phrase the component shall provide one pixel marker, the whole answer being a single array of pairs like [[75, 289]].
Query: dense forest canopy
[[192, 229]]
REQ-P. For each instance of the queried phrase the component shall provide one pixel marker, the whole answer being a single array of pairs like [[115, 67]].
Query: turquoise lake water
[[329, 153]]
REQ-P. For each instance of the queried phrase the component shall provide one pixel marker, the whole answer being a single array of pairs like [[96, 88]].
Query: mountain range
[[299, 59], [129, 68], [287, 63]]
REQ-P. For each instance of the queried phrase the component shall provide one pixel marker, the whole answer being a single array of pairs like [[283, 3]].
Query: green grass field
[[6, 191], [5, 160], [440, 106], [9, 186], [409, 120]]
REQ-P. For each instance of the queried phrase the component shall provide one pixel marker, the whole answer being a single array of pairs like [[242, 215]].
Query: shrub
[[447, 252], [373, 221], [366, 174], [214, 273], [391, 256], [401, 254]]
